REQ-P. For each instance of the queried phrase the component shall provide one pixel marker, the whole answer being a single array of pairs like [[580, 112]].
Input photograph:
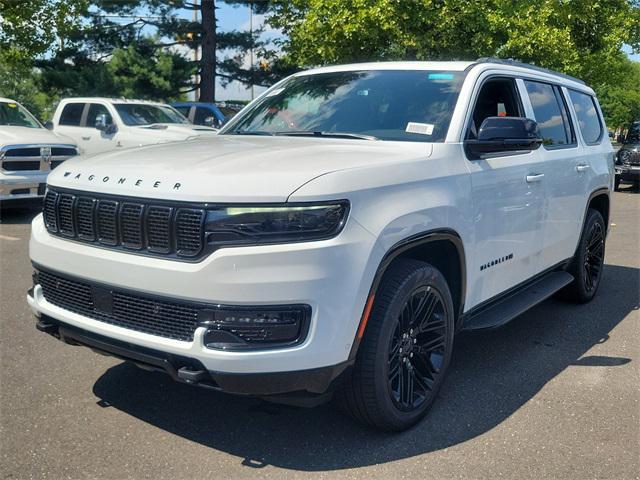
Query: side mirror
[[210, 121], [48, 125], [504, 134], [102, 125]]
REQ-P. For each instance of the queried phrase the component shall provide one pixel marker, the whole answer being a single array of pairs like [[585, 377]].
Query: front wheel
[[405, 351]]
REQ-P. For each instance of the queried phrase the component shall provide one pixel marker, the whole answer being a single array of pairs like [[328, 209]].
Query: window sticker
[[421, 128], [441, 76]]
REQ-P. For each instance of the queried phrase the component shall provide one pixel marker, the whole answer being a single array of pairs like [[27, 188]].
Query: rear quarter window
[[71, 114], [588, 116]]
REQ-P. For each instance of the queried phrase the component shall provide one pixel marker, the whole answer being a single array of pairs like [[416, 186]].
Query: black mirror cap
[[48, 125], [504, 134]]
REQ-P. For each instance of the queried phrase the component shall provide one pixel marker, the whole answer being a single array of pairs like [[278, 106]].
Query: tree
[[579, 37]]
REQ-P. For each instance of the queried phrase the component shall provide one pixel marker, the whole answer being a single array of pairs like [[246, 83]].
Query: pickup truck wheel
[[616, 183], [588, 263], [405, 351]]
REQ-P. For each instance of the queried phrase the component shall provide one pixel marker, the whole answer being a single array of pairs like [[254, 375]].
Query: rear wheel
[[405, 351], [588, 263]]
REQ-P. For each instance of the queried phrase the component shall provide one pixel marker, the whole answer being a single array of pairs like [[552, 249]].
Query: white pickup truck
[[102, 124], [28, 152]]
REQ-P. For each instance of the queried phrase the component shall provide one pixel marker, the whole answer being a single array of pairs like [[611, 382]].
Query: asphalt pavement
[[554, 394]]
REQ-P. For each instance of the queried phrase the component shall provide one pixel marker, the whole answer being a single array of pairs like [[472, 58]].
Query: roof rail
[[514, 63]]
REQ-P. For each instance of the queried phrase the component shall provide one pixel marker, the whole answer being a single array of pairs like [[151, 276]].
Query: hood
[[227, 168], [176, 131], [10, 135]]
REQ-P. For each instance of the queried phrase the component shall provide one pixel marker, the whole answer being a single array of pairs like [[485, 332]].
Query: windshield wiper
[[248, 132], [311, 133]]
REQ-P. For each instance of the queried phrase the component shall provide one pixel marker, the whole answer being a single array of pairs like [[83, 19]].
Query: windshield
[[634, 133], [409, 105], [15, 115], [143, 114]]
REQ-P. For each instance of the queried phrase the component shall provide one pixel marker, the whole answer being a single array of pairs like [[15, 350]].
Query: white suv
[[28, 152], [337, 233], [102, 124]]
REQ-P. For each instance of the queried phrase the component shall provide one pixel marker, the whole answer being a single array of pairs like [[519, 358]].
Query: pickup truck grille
[[161, 317], [21, 158], [135, 225]]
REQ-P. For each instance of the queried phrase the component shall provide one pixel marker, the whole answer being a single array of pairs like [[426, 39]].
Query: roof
[[454, 66], [110, 100], [7, 100]]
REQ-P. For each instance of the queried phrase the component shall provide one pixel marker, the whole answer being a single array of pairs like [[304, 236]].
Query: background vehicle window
[[497, 98], [72, 114], [588, 117], [147, 114], [551, 117], [96, 109], [202, 113], [183, 110], [12, 114]]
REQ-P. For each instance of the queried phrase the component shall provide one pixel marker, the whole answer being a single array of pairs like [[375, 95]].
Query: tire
[[400, 369], [616, 184], [588, 263]]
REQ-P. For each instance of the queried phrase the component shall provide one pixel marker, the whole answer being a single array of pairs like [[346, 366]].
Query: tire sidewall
[[593, 216]]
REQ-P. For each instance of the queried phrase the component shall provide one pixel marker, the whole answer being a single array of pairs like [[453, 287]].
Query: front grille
[[17, 166], [18, 158], [142, 226], [633, 158], [164, 318]]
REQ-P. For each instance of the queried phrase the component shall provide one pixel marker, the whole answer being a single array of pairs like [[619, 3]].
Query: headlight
[[623, 156], [244, 225]]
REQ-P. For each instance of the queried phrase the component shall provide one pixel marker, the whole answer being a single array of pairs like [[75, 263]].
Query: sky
[[237, 18]]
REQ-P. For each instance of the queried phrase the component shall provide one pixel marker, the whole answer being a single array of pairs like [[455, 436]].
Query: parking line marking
[[6, 237]]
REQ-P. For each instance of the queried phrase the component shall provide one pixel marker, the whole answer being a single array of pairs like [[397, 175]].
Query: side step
[[516, 303]]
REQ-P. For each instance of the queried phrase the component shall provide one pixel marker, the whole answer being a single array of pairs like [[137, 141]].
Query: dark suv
[[628, 157]]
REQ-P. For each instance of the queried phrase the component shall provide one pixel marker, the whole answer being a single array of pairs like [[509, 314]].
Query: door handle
[[582, 167], [536, 177], [86, 138]]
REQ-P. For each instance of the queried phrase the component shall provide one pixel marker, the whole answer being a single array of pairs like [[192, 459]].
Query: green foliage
[[579, 37]]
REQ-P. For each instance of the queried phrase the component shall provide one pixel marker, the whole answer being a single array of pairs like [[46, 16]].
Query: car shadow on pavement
[[22, 215], [493, 374]]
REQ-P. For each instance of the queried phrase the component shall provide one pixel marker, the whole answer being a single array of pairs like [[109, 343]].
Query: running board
[[510, 306]]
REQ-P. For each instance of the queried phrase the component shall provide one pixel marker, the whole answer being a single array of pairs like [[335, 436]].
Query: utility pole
[[251, 49], [208, 61], [196, 78]]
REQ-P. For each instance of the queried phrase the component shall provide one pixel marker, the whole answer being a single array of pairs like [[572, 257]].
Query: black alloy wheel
[[594, 257], [406, 349], [416, 350]]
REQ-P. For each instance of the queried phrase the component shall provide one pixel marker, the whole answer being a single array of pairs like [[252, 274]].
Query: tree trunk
[[208, 60]]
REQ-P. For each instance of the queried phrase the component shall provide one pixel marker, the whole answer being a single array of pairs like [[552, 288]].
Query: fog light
[[230, 328]]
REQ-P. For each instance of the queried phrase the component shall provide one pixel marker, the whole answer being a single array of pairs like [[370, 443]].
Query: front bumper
[[332, 276], [628, 173], [22, 186], [191, 371]]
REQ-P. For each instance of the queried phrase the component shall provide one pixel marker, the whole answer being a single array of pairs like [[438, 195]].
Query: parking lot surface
[[554, 394]]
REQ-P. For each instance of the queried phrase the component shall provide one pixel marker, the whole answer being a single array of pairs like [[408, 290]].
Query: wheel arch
[[436, 247], [600, 201]]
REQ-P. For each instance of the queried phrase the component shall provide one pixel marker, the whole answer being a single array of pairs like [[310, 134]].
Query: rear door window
[[72, 114], [588, 117], [203, 113], [551, 114]]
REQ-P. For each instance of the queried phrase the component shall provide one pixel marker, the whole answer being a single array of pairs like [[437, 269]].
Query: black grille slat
[[107, 222], [153, 229], [189, 231], [65, 214], [163, 318], [131, 225], [159, 229], [85, 209], [18, 166], [49, 211]]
